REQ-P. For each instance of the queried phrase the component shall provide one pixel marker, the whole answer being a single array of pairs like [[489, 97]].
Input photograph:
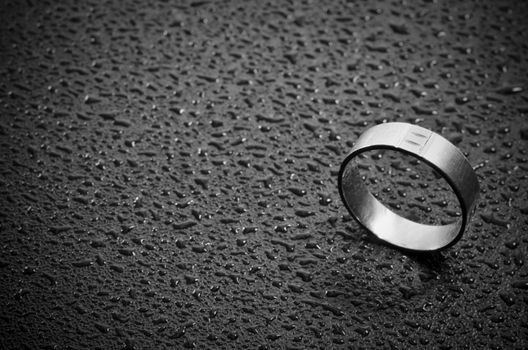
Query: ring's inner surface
[[392, 183]]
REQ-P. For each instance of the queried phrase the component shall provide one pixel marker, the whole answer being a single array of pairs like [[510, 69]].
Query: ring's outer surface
[[432, 149]]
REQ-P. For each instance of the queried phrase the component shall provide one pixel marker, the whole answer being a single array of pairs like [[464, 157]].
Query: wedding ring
[[432, 149]]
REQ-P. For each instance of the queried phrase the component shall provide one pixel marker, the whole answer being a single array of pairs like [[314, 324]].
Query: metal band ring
[[435, 151]]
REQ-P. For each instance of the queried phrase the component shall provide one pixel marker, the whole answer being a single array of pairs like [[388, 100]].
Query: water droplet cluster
[[168, 173]]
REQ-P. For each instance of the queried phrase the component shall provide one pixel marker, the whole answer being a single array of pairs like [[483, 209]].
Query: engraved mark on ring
[[415, 141]]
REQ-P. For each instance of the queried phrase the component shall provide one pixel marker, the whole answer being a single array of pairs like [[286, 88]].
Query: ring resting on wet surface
[[435, 151]]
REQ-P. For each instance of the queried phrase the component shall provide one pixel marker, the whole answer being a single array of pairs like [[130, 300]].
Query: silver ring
[[435, 151]]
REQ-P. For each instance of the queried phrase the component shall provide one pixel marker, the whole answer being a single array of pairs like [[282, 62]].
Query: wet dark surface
[[168, 174]]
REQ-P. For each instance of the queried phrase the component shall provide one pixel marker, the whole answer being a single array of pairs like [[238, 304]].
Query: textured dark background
[[168, 173]]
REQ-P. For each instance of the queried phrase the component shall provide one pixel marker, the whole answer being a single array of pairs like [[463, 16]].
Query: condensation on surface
[[168, 173]]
